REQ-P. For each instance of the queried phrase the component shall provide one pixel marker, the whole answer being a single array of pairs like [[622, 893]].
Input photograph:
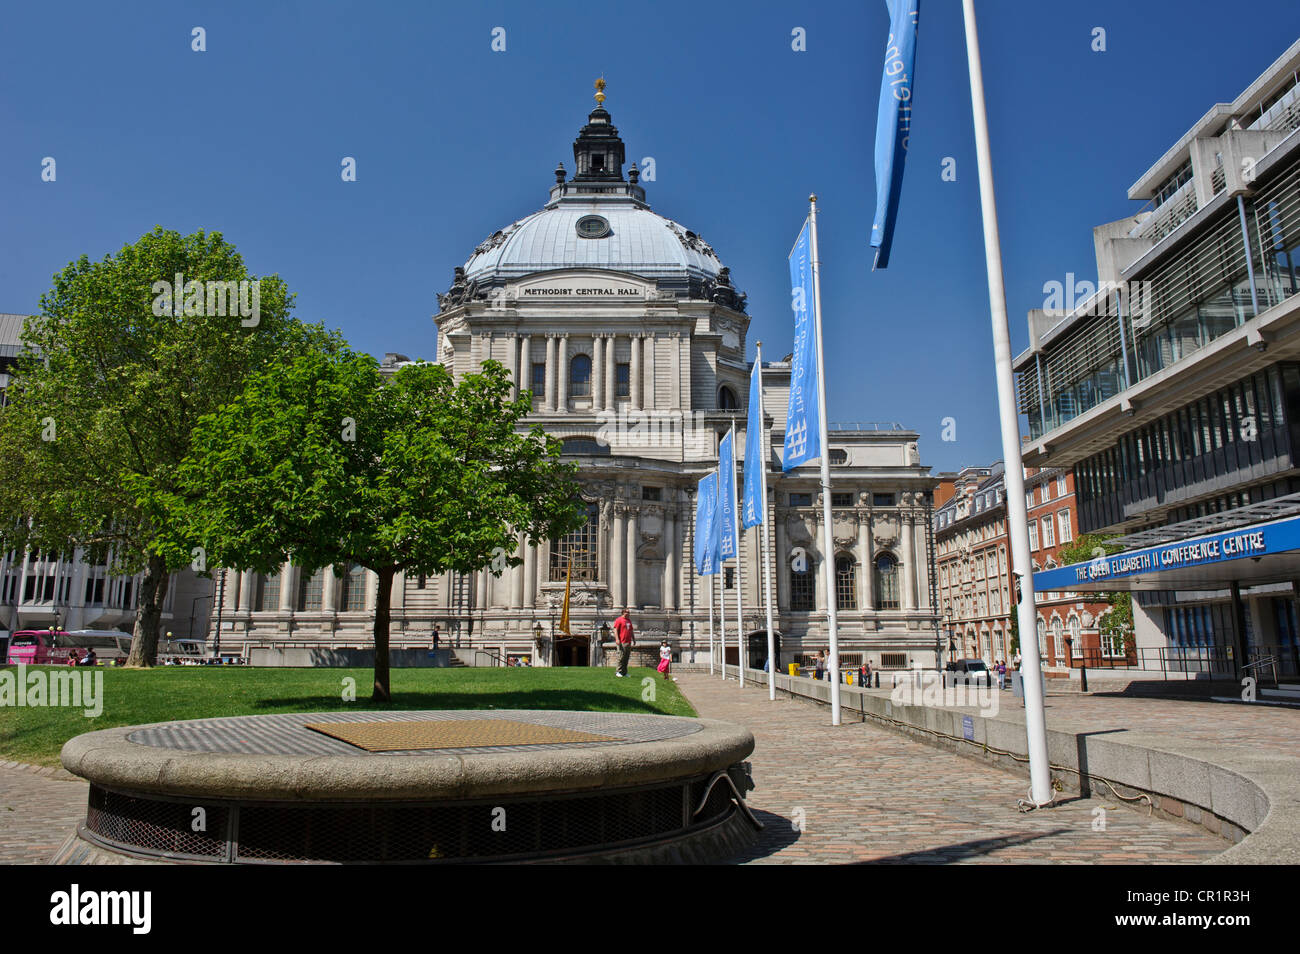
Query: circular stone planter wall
[[414, 787]]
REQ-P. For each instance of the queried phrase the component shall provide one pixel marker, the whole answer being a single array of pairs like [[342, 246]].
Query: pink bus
[[39, 647]]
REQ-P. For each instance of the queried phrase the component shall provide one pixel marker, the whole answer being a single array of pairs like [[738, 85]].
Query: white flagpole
[[740, 581], [767, 556], [722, 617], [711, 650], [828, 549], [1030, 667]]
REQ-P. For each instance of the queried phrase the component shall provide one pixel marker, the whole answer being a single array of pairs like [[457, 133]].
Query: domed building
[[632, 338]]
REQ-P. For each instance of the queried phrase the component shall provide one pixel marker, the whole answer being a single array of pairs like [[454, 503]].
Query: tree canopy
[[125, 357], [324, 462]]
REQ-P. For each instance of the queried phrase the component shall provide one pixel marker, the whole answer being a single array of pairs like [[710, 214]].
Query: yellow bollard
[[794, 669], [848, 678]]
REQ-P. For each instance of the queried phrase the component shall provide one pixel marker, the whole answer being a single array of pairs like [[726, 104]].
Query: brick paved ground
[[868, 794], [39, 808]]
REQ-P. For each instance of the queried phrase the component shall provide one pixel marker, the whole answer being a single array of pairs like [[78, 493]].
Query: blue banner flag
[[894, 121], [803, 420], [706, 533], [727, 498], [751, 505]]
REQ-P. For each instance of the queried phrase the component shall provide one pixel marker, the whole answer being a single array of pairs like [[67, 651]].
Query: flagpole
[[763, 536], [722, 620], [711, 650], [828, 551], [740, 581], [1017, 516]]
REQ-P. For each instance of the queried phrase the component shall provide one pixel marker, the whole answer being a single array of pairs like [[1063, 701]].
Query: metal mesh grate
[[157, 826], [543, 826]]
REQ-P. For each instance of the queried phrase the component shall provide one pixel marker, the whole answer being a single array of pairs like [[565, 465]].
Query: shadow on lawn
[[575, 699]]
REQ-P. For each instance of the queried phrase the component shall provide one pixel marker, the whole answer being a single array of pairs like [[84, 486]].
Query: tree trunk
[[383, 600], [148, 614]]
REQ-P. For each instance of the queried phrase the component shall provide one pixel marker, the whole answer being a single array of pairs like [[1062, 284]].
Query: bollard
[[1083, 678]]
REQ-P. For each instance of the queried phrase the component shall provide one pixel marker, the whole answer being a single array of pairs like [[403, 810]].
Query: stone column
[[525, 362], [822, 569], [480, 589], [611, 375], [530, 576], [632, 540], [649, 341], [617, 558], [246, 582], [634, 374], [562, 374], [676, 341], [868, 569], [329, 590], [286, 588], [909, 562], [780, 563], [512, 365], [672, 552], [549, 403], [517, 575], [597, 372]]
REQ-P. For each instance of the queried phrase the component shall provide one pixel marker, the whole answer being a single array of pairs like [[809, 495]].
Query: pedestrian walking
[[820, 664], [867, 680], [665, 659], [1002, 674], [623, 632]]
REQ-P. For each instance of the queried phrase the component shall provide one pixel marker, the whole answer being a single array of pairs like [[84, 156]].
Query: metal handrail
[[490, 654], [1265, 660]]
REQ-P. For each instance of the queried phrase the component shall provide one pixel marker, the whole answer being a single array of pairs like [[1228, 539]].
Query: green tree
[[114, 375], [1116, 622], [324, 462]]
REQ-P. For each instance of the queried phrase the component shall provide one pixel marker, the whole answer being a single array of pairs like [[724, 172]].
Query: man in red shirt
[[623, 630]]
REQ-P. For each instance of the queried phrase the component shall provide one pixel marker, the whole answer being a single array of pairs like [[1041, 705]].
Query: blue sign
[[1280, 536], [968, 727], [706, 532], [803, 420], [752, 500], [727, 498], [894, 121]]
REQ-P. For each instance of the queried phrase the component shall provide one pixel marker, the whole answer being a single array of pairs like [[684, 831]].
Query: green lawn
[[133, 696]]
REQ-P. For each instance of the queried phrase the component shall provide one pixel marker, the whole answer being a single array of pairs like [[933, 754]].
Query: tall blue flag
[[706, 533], [727, 499], [751, 504], [803, 419], [894, 121]]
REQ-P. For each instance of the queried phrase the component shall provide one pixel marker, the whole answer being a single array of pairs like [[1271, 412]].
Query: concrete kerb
[[1250, 798]]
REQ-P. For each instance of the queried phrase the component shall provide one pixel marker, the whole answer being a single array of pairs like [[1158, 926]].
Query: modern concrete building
[[633, 340], [1170, 389]]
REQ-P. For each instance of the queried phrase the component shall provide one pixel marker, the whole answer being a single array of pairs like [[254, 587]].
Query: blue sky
[[453, 141]]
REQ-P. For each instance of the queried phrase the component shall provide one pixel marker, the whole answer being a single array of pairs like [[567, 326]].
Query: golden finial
[[600, 91]]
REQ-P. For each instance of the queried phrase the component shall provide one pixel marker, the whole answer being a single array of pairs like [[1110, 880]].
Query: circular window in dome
[[592, 227]]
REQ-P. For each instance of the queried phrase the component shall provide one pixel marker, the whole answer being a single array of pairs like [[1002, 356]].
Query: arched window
[[353, 597], [1058, 641], [1076, 634], [580, 376], [801, 588], [583, 447], [309, 592], [577, 550], [887, 582], [1042, 639], [727, 399], [846, 583], [268, 593]]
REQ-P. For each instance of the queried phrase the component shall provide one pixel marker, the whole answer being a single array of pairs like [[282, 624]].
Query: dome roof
[[636, 240]]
